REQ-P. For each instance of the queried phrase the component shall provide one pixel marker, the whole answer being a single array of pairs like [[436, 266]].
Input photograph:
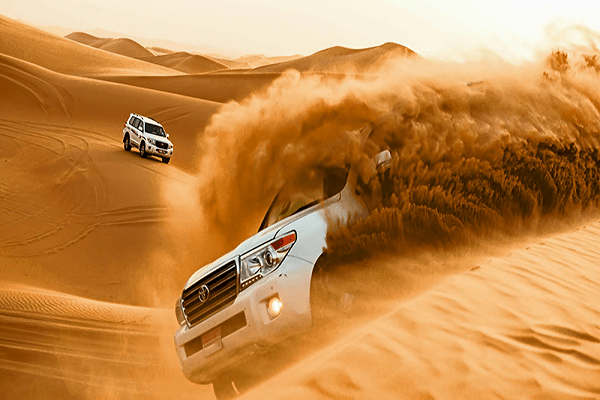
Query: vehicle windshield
[[155, 130], [304, 192]]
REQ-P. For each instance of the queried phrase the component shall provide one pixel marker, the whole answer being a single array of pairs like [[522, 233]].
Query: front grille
[[222, 291], [162, 145]]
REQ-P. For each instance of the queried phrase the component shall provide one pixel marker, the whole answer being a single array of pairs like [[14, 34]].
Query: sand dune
[[99, 103], [61, 346], [126, 47], [232, 64], [259, 60], [219, 87], [341, 59], [29, 44], [123, 46], [96, 242], [522, 325], [186, 62]]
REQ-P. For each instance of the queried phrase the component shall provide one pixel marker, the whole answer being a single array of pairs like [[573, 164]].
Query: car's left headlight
[[264, 259], [152, 141], [179, 312]]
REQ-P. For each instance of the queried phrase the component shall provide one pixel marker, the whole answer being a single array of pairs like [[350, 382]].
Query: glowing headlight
[[179, 312], [274, 307], [152, 141], [264, 259]]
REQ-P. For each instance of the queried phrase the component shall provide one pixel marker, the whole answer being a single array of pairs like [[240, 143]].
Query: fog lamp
[[274, 307]]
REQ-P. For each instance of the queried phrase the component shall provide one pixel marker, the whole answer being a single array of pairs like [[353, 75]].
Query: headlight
[[179, 312], [264, 259], [152, 141]]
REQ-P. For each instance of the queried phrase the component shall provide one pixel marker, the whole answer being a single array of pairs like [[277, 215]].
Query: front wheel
[[143, 153], [166, 160], [126, 143], [224, 389], [233, 384], [331, 296]]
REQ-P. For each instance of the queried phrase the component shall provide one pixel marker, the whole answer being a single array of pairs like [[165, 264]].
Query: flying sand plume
[[496, 156]]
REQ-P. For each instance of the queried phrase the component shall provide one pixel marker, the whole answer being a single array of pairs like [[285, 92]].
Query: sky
[[434, 28]]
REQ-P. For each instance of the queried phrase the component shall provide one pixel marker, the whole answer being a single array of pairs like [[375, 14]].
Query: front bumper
[[155, 151], [290, 284]]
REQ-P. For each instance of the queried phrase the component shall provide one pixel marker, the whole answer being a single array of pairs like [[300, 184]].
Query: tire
[[223, 388], [126, 143], [233, 384], [143, 153], [166, 160], [330, 298]]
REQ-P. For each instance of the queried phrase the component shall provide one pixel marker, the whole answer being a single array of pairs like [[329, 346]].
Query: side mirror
[[167, 135], [383, 160]]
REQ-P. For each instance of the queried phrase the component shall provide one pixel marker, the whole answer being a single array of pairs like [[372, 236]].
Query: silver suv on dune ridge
[[148, 136]]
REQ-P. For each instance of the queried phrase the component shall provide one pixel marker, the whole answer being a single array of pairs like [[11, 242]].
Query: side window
[[131, 120], [141, 125]]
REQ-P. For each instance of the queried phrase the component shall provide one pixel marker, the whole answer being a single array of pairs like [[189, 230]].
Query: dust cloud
[[477, 148]]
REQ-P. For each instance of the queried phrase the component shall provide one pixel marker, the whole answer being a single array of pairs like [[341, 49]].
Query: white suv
[[147, 135], [260, 293]]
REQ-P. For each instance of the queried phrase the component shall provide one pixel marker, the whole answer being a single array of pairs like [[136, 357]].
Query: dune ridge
[[342, 59], [180, 61], [186, 62], [33, 45]]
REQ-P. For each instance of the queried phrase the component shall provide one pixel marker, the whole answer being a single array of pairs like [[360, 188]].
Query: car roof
[[146, 119]]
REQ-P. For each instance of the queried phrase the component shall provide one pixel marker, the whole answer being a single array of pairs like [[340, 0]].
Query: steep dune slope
[[524, 325], [68, 188], [62, 55], [341, 59]]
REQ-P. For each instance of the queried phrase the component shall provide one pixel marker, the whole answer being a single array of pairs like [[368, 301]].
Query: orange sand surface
[[96, 244]]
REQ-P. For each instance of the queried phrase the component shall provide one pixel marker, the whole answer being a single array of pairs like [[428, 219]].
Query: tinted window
[[304, 192], [155, 130]]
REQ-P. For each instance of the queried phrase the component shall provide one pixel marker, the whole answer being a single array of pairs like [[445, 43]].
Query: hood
[[159, 138], [254, 241]]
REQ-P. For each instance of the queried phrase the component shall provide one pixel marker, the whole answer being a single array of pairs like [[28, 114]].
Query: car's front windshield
[[304, 192], [155, 130]]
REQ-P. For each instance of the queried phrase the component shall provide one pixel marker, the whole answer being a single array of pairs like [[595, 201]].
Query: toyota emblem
[[203, 294]]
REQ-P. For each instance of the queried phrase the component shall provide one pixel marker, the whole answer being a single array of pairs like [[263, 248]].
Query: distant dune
[[160, 50], [186, 62], [259, 60], [234, 64], [220, 87], [342, 59], [123, 46], [180, 61], [66, 56]]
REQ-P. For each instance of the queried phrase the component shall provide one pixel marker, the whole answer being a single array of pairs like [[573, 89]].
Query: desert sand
[[96, 243]]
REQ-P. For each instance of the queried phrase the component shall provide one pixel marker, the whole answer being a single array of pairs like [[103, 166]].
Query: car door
[[135, 133], [140, 131], [129, 128]]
